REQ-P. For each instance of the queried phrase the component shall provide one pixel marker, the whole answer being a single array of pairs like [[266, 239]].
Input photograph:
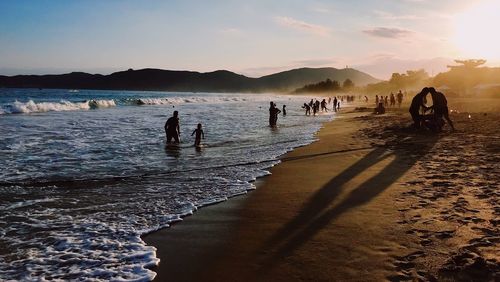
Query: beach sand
[[370, 200]]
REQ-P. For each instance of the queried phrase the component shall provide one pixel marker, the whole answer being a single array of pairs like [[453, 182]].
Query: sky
[[254, 38]]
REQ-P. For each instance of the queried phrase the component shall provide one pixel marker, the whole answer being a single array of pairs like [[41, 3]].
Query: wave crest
[[42, 107]]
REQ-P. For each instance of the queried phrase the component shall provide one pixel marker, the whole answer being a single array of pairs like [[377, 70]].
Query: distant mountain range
[[188, 81]]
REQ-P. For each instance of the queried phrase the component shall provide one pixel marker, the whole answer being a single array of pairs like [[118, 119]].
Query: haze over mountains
[[188, 81]]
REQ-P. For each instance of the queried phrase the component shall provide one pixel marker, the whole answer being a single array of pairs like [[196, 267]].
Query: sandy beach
[[370, 200]]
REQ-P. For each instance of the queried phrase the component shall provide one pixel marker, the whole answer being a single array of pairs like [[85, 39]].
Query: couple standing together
[[439, 108]]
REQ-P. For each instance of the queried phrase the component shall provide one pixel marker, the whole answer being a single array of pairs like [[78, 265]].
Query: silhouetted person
[[380, 109], [307, 108], [440, 107], [386, 101], [400, 98], [199, 135], [172, 128], [284, 110], [273, 114], [316, 107], [393, 100], [323, 106], [416, 104], [335, 101]]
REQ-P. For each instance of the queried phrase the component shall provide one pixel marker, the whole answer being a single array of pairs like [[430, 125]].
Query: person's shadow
[[317, 212]]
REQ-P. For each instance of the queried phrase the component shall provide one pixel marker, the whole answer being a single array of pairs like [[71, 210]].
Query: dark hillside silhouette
[[293, 79], [186, 81]]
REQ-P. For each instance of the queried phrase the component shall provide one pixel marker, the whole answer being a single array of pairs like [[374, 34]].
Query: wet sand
[[370, 200]]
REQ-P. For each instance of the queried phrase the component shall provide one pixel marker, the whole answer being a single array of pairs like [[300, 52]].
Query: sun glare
[[476, 31]]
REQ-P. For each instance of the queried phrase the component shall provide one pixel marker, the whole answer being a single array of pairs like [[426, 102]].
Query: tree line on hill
[[327, 85], [467, 77]]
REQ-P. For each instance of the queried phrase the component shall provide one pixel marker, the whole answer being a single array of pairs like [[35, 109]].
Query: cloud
[[321, 10], [388, 32], [388, 16], [230, 31], [303, 26]]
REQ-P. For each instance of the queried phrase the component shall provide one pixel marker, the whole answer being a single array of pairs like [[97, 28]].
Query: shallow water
[[85, 173]]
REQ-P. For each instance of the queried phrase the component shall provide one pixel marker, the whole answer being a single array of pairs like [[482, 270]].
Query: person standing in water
[[199, 135], [307, 108], [284, 110], [172, 128], [273, 114]]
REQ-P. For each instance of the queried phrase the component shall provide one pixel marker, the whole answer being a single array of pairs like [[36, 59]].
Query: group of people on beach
[[390, 100], [418, 110], [439, 110], [384, 102], [315, 105]]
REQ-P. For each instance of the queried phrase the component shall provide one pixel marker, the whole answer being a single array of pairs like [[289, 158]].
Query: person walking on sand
[[273, 114], [172, 128], [440, 107], [416, 104], [199, 135], [400, 98]]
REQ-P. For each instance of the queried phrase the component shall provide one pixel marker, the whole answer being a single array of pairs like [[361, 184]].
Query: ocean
[[85, 173]]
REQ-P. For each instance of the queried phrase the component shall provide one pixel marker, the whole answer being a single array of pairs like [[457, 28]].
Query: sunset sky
[[249, 37]]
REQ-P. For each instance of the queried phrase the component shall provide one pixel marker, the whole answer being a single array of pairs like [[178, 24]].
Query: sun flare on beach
[[474, 30]]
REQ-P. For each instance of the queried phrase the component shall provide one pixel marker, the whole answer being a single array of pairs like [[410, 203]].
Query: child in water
[[199, 135]]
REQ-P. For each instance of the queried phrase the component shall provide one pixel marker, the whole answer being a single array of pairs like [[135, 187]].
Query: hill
[[293, 79], [187, 81]]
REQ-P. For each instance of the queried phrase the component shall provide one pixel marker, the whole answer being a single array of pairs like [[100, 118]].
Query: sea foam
[[79, 189], [41, 107]]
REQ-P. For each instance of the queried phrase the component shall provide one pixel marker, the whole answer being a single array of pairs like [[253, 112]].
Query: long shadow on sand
[[317, 212]]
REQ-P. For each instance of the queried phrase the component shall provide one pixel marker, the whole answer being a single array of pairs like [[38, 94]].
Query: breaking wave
[[184, 100], [42, 107], [31, 106]]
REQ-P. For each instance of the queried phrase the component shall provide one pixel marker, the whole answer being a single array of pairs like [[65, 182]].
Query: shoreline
[[369, 200], [201, 219], [204, 235]]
